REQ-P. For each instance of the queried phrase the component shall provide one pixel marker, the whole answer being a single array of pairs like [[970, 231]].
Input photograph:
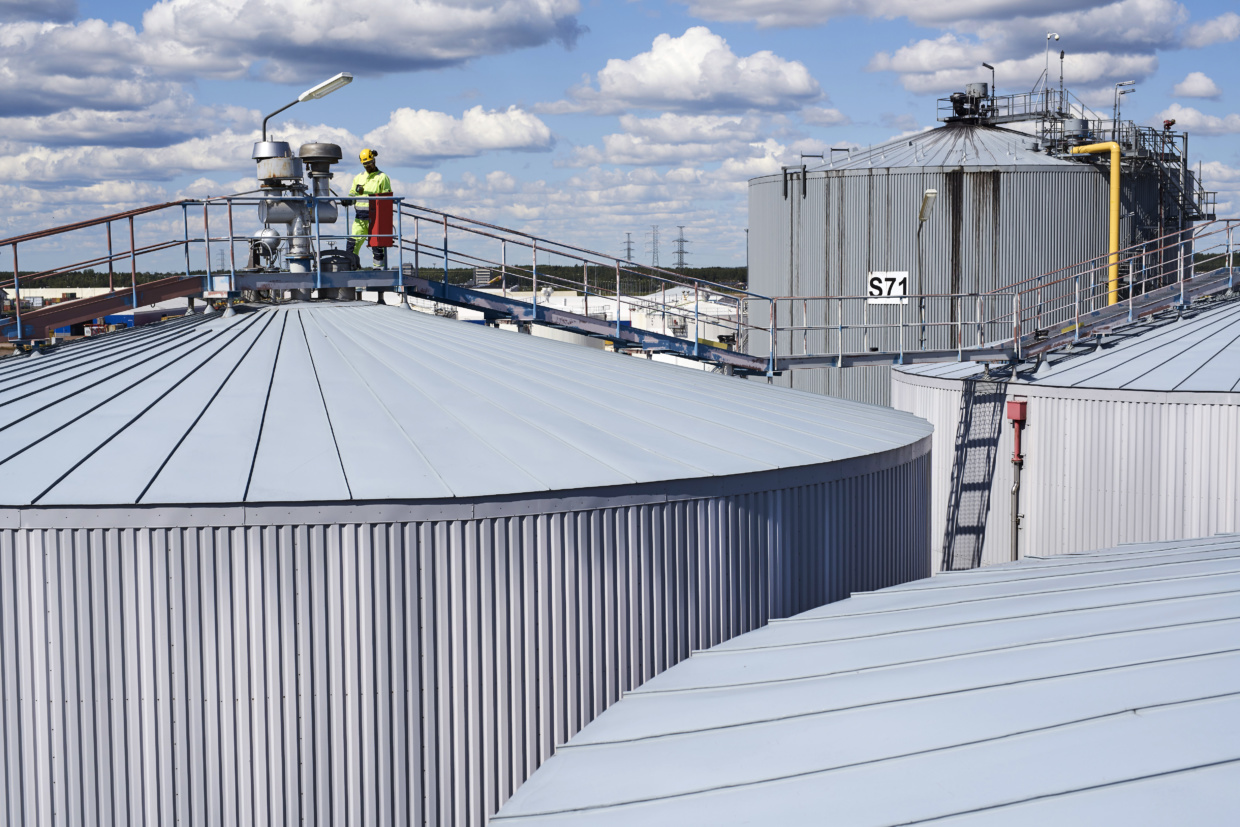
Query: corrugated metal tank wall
[[989, 228], [1101, 467], [372, 665]]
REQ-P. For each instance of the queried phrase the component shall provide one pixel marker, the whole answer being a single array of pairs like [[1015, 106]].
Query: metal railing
[[784, 332]]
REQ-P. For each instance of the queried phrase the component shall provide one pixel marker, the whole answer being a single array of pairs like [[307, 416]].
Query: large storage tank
[[1095, 689], [352, 564], [1005, 211], [1131, 440]]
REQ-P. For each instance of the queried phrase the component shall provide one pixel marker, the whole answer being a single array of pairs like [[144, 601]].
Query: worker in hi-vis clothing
[[370, 181]]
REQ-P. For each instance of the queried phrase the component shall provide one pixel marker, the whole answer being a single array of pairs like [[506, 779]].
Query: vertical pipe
[[133, 273], [232, 252], [770, 361], [1231, 271], [17, 294], [1113, 149], [111, 270]]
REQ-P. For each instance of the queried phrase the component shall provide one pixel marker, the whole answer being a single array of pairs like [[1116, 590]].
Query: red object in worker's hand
[[381, 223]]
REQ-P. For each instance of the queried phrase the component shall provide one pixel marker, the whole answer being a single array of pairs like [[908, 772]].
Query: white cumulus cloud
[[824, 116], [229, 37], [1197, 85], [1222, 29], [419, 136], [698, 71], [1189, 119]]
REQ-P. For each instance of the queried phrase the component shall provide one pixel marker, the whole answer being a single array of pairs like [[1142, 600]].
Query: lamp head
[[325, 88]]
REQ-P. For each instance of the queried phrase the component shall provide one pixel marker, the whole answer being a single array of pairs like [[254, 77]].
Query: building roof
[[1084, 689], [357, 401], [951, 145], [1196, 352]]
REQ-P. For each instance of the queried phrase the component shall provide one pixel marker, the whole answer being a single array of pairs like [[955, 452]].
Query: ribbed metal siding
[[1101, 467], [390, 673], [989, 228]]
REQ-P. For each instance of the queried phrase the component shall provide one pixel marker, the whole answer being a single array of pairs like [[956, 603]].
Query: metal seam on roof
[[206, 407], [696, 742], [323, 398], [561, 417], [413, 444], [481, 437]]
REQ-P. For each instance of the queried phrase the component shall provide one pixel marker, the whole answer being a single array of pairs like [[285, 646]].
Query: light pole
[[1115, 108], [1046, 73], [322, 90]]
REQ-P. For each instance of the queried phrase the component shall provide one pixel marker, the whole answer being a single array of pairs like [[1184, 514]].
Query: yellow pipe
[[1098, 149]]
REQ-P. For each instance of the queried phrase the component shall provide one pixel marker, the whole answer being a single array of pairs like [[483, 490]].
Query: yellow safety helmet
[[368, 155]]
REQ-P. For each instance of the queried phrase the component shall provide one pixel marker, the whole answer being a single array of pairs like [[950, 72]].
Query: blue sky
[[575, 119]]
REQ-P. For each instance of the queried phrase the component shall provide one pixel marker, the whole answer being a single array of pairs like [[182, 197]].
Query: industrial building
[[1098, 688], [345, 563], [1128, 437], [970, 207]]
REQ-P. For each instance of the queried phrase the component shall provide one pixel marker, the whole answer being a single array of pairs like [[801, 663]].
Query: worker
[[370, 181]]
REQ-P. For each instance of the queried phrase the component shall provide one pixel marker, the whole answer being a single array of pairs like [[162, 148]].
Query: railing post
[[770, 361], [17, 294], [804, 327], [1183, 285], [185, 242], [133, 273], [1076, 311], [617, 299], [444, 290], [1231, 270], [1016, 323], [417, 248], [399, 204], [585, 285], [839, 331], [110, 268], [535, 276], [206, 239], [959, 328], [503, 266], [903, 305], [697, 330], [978, 317], [232, 252]]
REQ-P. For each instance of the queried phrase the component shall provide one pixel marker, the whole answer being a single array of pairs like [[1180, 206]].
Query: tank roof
[[952, 145], [1084, 689], [325, 401], [1198, 351]]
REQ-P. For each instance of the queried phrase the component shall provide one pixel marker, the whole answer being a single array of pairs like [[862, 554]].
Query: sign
[[36, 301], [887, 287]]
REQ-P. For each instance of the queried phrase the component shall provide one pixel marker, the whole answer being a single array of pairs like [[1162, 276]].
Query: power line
[[681, 252], [653, 244]]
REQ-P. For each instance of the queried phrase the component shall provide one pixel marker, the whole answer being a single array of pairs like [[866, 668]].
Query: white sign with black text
[[883, 287]]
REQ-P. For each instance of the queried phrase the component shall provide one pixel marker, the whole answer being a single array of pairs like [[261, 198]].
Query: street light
[[1046, 73], [1115, 108], [321, 90]]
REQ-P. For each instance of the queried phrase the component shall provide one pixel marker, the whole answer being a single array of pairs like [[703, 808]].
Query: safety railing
[[600, 286]]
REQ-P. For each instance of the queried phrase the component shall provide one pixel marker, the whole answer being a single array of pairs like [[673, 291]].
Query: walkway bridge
[[502, 273]]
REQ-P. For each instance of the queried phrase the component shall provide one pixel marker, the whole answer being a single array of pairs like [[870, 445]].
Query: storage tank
[[1130, 439], [1004, 210], [1096, 689], [347, 563]]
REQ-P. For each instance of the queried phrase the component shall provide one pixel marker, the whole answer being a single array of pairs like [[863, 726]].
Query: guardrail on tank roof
[[671, 312]]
